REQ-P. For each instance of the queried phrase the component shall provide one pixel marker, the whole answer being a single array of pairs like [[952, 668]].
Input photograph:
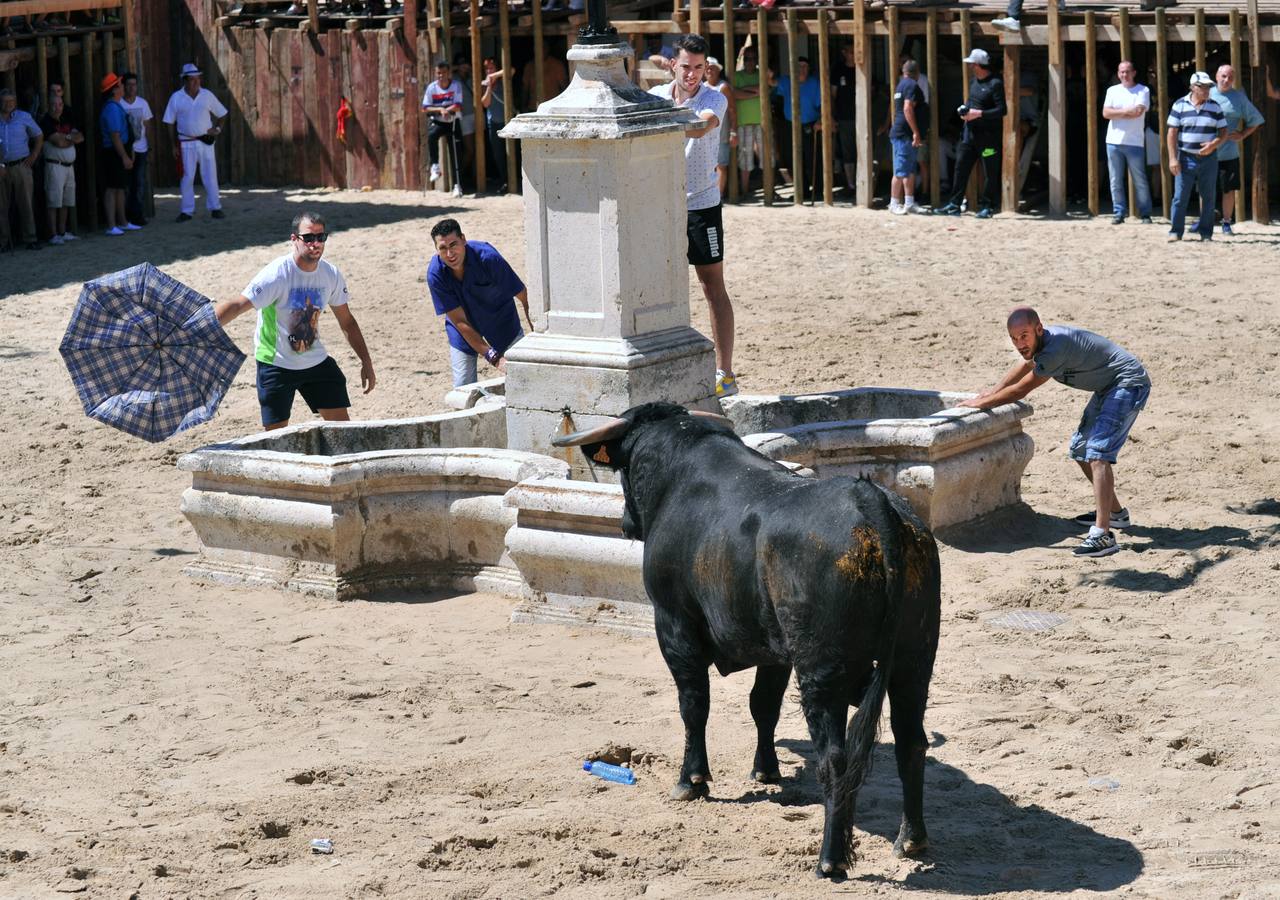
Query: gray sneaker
[[1102, 545], [1119, 520]]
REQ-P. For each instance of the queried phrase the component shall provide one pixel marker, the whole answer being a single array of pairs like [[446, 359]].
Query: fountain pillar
[[607, 273]]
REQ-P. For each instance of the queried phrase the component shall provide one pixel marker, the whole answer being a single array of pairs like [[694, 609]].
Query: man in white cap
[[1196, 128], [194, 116], [980, 140]]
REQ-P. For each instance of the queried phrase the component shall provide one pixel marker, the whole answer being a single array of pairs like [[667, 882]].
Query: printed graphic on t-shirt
[[302, 318]]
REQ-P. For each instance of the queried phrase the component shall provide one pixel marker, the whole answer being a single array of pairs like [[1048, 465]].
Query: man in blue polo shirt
[[1243, 119], [810, 114], [472, 286], [1197, 128]]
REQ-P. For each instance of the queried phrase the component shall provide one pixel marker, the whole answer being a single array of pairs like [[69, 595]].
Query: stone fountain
[[476, 498]]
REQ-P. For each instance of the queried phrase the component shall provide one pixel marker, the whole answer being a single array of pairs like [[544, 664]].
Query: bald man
[[1120, 387]]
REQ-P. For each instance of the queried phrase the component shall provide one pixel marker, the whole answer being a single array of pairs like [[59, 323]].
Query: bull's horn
[[714, 417], [605, 432]]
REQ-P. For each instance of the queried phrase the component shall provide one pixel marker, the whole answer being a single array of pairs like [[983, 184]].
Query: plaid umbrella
[[147, 354]]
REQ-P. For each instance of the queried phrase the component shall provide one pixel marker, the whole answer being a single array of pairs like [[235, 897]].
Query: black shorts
[[323, 387], [114, 176], [706, 236], [1228, 175]]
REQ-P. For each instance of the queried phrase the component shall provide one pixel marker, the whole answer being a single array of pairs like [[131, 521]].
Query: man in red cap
[[116, 155]]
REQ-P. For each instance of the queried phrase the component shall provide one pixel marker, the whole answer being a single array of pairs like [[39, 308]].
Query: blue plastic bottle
[[609, 772]]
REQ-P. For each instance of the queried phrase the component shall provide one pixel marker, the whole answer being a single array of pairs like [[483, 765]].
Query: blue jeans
[[1120, 157], [904, 159], [1200, 173], [1105, 425]]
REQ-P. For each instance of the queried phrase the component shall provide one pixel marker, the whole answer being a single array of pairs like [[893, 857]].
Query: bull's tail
[[864, 728]]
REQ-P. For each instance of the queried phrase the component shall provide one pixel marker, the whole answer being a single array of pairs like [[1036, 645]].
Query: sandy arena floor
[[163, 738]]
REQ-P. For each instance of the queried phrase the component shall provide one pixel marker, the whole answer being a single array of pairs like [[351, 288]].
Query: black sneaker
[[950, 209], [1117, 220], [183, 217], [1102, 545], [1146, 220], [217, 214], [1119, 520]]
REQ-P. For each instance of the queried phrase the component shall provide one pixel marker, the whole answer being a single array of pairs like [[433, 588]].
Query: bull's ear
[[714, 417], [606, 432]]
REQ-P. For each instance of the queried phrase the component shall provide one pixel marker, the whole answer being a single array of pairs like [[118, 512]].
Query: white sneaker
[[68, 238], [129, 226], [457, 190], [435, 171], [55, 240], [114, 232], [897, 209], [1007, 23], [914, 209]]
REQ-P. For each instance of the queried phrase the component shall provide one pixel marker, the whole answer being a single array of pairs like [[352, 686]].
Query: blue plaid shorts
[[1105, 425]]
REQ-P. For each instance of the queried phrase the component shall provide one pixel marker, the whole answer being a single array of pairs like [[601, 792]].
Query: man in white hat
[[1196, 128], [980, 140], [194, 116]]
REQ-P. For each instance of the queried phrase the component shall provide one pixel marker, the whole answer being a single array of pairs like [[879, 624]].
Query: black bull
[[748, 564]]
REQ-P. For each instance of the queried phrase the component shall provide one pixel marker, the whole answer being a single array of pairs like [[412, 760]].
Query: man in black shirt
[[843, 75], [980, 141]]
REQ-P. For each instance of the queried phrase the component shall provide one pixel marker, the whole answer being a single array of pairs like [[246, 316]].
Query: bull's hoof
[[828, 868], [904, 848], [771, 777], [697, 790]]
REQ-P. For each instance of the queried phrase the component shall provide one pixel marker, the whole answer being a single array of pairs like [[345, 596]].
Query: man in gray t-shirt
[[1120, 387]]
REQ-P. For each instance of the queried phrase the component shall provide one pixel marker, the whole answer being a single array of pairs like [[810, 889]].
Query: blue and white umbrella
[[147, 354]]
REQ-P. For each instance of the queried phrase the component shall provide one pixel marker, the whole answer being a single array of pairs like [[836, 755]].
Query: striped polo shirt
[[1196, 127]]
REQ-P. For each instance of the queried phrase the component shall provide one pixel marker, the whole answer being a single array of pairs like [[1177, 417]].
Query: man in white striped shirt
[[1197, 127]]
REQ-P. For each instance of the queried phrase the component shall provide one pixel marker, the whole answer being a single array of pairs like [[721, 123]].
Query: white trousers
[[199, 155]]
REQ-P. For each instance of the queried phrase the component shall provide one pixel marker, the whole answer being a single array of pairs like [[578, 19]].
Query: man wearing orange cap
[[116, 155]]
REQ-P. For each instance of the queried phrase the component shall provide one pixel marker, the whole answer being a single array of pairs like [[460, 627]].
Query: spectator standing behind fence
[[746, 95], [981, 137], [728, 130], [115, 155], [476, 290], [1196, 128], [442, 103], [139, 111], [495, 105], [20, 143], [1125, 109], [467, 117], [1243, 119], [704, 223], [905, 136], [61, 137], [810, 115], [193, 115], [844, 101]]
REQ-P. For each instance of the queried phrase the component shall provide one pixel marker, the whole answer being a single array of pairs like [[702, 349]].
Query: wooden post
[[1162, 98], [90, 126], [695, 16], [64, 70], [1258, 81], [863, 126], [108, 54], [798, 174], [1091, 105], [133, 62], [1126, 52], [313, 17], [730, 67], [935, 148], [894, 42], [42, 73], [508, 92], [433, 39], [966, 47], [828, 120], [1009, 162], [766, 111], [1057, 116], [1237, 65], [539, 55], [477, 76], [1200, 39]]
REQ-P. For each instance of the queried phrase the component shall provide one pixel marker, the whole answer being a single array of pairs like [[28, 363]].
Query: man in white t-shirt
[[1125, 109], [290, 294], [702, 193], [194, 115], [139, 111]]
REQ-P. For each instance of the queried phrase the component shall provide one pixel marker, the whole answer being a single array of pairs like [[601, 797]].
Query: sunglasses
[[313, 238]]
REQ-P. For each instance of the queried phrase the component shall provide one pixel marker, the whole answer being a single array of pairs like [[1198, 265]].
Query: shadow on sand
[[981, 841]]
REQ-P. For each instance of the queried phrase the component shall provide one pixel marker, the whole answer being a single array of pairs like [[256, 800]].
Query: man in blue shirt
[[1196, 129], [810, 114], [115, 156], [1243, 120], [472, 286], [20, 143]]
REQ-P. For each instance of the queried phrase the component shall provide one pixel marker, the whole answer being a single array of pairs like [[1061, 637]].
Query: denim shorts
[[323, 386], [1105, 425], [904, 157]]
